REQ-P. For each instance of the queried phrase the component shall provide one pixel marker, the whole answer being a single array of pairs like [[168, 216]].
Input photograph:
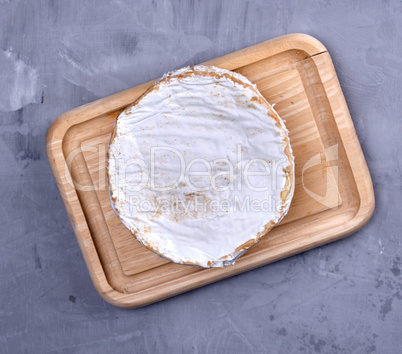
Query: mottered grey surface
[[345, 297]]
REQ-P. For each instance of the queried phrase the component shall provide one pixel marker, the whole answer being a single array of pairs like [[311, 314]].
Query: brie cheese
[[200, 166]]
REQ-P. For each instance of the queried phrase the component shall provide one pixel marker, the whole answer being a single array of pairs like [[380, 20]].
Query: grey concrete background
[[56, 55]]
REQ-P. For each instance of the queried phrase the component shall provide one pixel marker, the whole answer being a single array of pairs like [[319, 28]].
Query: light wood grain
[[295, 73]]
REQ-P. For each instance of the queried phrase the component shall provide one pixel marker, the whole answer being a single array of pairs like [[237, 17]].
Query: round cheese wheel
[[200, 167]]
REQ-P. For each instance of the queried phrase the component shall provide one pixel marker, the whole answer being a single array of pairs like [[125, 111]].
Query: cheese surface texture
[[200, 166]]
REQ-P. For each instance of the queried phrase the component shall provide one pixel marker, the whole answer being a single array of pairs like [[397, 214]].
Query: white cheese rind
[[191, 114]]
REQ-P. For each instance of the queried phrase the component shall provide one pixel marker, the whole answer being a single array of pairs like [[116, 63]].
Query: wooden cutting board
[[333, 196]]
